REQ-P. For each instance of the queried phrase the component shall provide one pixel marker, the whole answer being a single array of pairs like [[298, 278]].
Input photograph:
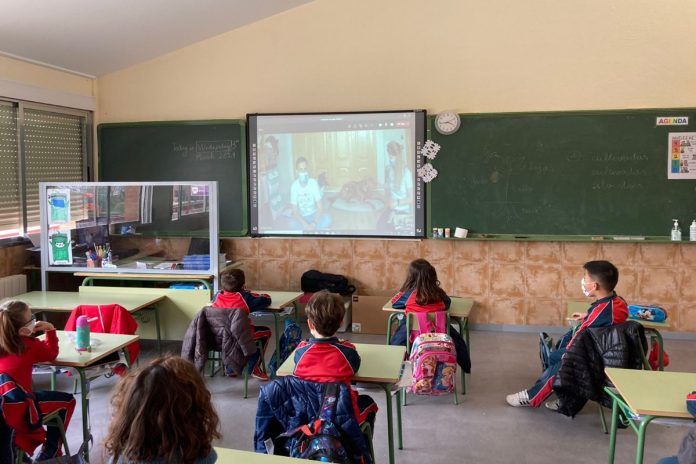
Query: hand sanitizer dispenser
[[676, 231]]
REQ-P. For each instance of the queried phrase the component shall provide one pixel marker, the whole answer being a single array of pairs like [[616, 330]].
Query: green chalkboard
[[181, 151], [565, 173]]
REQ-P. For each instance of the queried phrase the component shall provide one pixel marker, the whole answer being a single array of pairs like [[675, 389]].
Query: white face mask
[[585, 290], [29, 326]]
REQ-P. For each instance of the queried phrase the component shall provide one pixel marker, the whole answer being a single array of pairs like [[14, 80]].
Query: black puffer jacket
[[581, 376], [224, 330]]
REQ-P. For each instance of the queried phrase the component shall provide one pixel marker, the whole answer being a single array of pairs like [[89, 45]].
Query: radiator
[[13, 285]]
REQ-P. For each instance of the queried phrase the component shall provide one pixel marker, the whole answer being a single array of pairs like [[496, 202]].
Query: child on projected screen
[[398, 183], [305, 198]]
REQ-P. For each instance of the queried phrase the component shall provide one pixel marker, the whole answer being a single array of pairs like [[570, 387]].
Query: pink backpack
[[433, 357]]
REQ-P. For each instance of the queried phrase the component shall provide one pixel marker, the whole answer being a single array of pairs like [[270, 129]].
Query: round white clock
[[447, 122]]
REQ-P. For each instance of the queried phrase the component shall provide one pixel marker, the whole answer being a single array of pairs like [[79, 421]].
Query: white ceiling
[[95, 37]]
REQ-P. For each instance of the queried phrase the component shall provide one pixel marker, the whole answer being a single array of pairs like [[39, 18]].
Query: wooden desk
[[227, 455], [61, 302], [279, 301], [646, 394], [652, 329], [80, 361], [381, 365]]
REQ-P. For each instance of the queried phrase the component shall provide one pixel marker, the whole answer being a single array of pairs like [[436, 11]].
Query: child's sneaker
[[518, 399], [257, 373], [553, 405]]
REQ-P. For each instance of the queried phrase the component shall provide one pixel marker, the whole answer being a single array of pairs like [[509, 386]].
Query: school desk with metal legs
[[643, 396], [459, 310], [279, 301], [227, 455], [65, 302], [652, 329], [69, 357], [380, 365]]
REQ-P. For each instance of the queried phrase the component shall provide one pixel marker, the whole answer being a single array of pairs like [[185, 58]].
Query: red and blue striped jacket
[[605, 312], [20, 412], [326, 360], [246, 300], [407, 300]]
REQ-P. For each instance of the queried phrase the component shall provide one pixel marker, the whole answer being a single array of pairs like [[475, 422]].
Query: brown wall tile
[[305, 249], [274, 248], [479, 312], [273, 274], [369, 276], [445, 275], [369, 249], [542, 281], [403, 251], [570, 284], [545, 311], [251, 273], [619, 254], [688, 285], [507, 311], [688, 255], [580, 253], [507, 280], [628, 283], [548, 253], [687, 318], [659, 285], [241, 248], [395, 275], [337, 266], [437, 250], [658, 254], [506, 251], [476, 251], [471, 279], [336, 249]]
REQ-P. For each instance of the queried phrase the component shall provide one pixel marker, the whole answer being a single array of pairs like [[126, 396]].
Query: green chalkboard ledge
[[568, 238]]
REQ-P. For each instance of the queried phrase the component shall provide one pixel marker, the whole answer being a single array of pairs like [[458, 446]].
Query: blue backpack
[[291, 337], [321, 439]]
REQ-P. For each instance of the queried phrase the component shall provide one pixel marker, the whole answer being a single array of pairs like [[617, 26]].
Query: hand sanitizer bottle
[[692, 231], [676, 231]]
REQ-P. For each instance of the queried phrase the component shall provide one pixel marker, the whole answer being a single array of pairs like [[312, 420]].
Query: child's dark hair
[[326, 312], [603, 272], [422, 277], [11, 320], [232, 280], [162, 412]]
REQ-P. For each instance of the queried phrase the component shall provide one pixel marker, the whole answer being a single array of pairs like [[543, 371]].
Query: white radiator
[[13, 285]]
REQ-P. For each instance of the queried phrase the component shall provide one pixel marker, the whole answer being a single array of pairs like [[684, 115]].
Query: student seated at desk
[[599, 280], [18, 353], [324, 358], [234, 295], [162, 413], [421, 293]]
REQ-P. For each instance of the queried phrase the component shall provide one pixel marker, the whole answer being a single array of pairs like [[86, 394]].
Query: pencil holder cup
[[94, 262]]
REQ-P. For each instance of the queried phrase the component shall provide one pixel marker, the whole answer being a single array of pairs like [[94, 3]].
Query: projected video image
[[336, 175]]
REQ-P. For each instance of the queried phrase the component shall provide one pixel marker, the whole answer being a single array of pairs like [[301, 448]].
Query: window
[[38, 143]]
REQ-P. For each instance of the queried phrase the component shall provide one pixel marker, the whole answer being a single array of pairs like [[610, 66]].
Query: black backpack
[[313, 281]]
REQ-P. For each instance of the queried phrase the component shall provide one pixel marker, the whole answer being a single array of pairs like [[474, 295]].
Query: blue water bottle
[[82, 334]]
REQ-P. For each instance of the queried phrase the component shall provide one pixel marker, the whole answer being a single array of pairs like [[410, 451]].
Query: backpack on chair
[[291, 337], [321, 439], [433, 357]]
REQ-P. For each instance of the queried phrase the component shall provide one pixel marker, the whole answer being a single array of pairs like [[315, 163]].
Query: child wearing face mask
[[599, 280], [19, 351]]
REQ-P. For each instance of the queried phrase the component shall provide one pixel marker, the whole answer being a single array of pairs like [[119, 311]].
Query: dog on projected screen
[[361, 192]]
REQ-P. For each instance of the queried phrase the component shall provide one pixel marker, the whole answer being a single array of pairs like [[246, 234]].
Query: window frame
[[87, 154]]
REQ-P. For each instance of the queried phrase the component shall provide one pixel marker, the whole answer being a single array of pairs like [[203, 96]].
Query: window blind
[[10, 207], [53, 151]]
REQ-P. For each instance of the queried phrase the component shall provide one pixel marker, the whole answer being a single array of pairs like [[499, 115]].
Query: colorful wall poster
[[681, 156], [58, 206], [59, 248]]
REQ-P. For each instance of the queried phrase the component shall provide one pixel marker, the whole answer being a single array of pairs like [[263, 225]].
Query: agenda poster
[[681, 156]]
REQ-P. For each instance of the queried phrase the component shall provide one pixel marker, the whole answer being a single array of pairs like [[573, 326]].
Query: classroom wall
[[471, 56], [46, 78]]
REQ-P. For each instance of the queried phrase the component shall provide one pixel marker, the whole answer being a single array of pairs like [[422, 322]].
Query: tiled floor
[[482, 429]]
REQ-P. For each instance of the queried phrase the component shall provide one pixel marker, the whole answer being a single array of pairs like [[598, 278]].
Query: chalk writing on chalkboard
[[205, 150]]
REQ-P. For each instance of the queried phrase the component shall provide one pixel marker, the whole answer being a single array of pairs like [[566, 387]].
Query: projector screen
[[342, 174]]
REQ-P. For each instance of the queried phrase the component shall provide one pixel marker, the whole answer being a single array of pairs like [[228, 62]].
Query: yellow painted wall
[[46, 78], [471, 56]]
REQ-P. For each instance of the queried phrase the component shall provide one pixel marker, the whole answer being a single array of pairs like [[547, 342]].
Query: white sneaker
[[552, 405], [518, 399]]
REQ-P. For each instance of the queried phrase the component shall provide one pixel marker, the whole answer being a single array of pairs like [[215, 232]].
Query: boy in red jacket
[[235, 296], [325, 358]]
